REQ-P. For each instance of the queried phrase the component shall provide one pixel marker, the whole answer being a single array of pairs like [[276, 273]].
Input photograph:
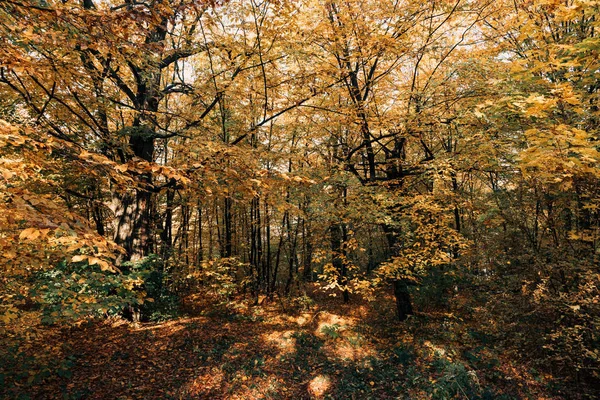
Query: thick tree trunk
[[131, 210]]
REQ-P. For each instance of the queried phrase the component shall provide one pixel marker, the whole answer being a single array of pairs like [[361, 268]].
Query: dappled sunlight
[[174, 324], [326, 322], [360, 311], [115, 322], [284, 341], [303, 319], [319, 385], [436, 349], [256, 388], [209, 381], [278, 320], [346, 351], [296, 356]]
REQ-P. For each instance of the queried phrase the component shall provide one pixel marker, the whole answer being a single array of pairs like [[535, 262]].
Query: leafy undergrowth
[[277, 350]]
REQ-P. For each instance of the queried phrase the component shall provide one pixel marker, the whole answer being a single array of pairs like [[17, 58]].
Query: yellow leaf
[[121, 168], [29, 234], [9, 254], [7, 174], [104, 266], [79, 258], [9, 315]]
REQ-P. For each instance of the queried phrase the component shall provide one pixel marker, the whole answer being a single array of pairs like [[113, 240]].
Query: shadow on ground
[[338, 351]]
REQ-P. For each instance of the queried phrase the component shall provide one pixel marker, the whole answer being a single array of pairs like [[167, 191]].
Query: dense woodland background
[[416, 181]]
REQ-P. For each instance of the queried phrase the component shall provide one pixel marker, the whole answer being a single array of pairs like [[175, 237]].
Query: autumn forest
[[277, 199]]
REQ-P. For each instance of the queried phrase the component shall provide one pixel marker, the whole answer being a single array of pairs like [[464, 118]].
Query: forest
[[299, 199]]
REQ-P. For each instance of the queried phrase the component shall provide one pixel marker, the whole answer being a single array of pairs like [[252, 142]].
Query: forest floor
[[286, 350]]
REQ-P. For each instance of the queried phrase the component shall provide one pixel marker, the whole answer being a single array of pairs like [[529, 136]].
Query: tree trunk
[[200, 248], [166, 235], [227, 227], [131, 211], [307, 245], [336, 230], [401, 293], [403, 303]]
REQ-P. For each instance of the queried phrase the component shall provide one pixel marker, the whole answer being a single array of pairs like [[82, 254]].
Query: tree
[[118, 73], [396, 103], [548, 192]]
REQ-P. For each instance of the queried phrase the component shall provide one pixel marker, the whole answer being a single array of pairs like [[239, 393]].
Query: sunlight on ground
[[326, 321], [278, 320], [303, 319], [254, 388], [341, 341], [349, 352], [282, 340], [211, 380], [172, 326], [440, 350], [115, 322], [360, 311], [319, 385]]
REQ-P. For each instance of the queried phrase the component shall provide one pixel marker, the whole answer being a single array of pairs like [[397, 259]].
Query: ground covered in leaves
[[281, 349]]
